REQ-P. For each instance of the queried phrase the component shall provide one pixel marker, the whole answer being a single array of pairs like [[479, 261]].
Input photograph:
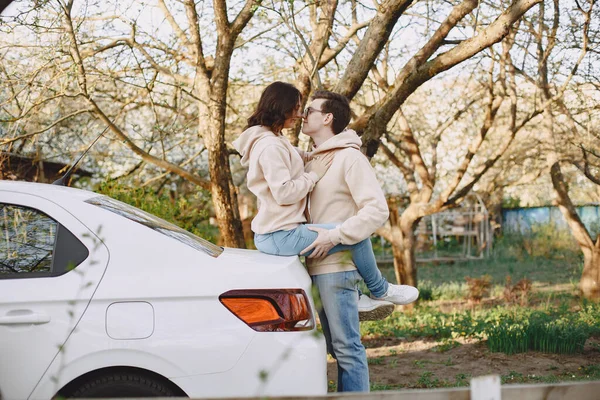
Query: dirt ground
[[398, 363]]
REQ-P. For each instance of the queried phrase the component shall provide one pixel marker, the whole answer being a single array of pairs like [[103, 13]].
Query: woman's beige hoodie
[[348, 195], [276, 177]]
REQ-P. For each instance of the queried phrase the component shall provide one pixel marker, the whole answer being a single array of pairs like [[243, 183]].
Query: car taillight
[[270, 310]]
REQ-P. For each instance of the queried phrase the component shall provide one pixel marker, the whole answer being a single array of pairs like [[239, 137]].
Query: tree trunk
[[403, 246], [408, 267], [224, 199], [374, 39], [223, 194], [405, 261], [590, 278]]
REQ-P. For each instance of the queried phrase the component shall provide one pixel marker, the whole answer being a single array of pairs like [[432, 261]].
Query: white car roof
[[48, 191]]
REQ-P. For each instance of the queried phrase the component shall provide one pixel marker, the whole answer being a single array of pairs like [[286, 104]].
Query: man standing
[[348, 192]]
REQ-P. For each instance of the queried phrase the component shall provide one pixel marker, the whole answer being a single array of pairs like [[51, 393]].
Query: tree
[[184, 62], [367, 66], [420, 68], [181, 70], [569, 115]]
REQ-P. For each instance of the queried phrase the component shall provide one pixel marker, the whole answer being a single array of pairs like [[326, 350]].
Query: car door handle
[[24, 317]]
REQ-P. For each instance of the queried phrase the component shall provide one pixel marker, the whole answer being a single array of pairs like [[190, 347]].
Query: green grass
[[445, 345], [584, 373], [507, 329], [447, 281], [548, 332], [554, 320], [375, 360], [545, 257], [427, 379], [540, 270]]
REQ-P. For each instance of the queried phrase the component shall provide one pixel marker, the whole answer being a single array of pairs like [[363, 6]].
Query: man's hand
[[321, 245]]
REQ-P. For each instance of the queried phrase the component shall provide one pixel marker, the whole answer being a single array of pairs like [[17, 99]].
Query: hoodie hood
[[245, 143], [343, 140]]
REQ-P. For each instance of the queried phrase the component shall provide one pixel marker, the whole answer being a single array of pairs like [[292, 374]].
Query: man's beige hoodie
[[348, 195], [276, 177]]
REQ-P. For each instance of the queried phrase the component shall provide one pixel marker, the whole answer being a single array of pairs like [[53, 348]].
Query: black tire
[[117, 384]]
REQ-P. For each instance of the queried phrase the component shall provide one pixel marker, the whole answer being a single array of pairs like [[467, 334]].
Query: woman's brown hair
[[277, 103]]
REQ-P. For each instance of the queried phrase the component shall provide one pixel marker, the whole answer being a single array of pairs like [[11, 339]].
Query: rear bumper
[[274, 364]]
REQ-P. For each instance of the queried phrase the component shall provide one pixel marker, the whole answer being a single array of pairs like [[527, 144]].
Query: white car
[[100, 299]]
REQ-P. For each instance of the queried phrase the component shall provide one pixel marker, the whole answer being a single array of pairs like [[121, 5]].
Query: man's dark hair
[[338, 106], [277, 103]]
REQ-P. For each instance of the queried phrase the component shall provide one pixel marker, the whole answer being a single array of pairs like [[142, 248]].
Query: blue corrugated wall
[[522, 219]]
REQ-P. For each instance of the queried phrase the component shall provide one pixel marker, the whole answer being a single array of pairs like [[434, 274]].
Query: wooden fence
[[482, 388]]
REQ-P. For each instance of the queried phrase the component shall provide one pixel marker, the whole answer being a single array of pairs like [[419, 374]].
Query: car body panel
[[61, 300], [291, 364], [195, 341]]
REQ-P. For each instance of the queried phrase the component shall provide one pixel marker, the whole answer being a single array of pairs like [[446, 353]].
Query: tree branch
[[203, 183], [374, 122], [407, 172], [192, 16], [330, 54], [176, 28], [30, 134], [242, 19], [377, 34], [221, 20]]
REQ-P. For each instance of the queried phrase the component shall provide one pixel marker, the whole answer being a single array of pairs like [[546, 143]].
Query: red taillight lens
[[270, 310]]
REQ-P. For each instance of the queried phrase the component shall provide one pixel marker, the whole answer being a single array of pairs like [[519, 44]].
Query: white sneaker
[[400, 294], [372, 310]]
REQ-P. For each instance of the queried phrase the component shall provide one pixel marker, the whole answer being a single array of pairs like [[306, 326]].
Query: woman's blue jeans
[[292, 242]]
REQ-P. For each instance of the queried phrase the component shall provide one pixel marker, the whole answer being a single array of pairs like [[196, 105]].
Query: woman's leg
[[292, 242], [285, 243], [366, 264], [266, 243]]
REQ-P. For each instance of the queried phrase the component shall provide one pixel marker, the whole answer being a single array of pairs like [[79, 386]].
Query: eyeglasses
[[308, 110]]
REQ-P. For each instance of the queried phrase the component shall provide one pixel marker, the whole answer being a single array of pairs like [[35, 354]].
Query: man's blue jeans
[[339, 319], [292, 242]]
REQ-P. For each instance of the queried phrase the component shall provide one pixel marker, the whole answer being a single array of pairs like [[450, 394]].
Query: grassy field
[[544, 333], [551, 260]]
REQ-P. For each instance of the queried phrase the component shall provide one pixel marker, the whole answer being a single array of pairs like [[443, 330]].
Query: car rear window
[[157, 224]]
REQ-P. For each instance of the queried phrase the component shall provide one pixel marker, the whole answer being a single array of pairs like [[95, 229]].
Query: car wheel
[[122, 385]]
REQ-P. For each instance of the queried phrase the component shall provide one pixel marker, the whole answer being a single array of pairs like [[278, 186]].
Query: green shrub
[[188, 212], [478, 288], [544, 240], [425, 291], [590, 316], [443, 291]]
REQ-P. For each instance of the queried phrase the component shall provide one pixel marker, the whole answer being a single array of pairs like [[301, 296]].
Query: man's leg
[[339, 319]]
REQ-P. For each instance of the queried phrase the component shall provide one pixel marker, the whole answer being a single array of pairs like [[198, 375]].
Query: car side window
[[32, 244], [27, 239]]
